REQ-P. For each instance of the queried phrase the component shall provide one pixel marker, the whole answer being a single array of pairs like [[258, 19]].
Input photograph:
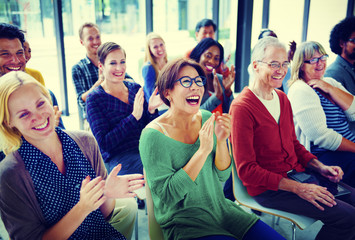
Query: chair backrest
[[155, 232]]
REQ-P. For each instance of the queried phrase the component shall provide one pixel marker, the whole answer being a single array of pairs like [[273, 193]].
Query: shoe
[[141, 204], [256, 212]]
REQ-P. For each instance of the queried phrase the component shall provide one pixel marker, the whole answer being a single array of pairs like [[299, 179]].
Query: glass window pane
[[227, 29], [175, 21], [286, 17], [320, 23], [257, 21]]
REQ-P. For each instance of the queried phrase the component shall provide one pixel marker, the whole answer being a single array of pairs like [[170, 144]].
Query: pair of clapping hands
[[96, 191]]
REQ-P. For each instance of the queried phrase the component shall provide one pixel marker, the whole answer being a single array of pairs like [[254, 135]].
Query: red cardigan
[[263, 150]]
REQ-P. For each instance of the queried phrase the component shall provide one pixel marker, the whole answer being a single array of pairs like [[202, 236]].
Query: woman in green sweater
[[185, 156]]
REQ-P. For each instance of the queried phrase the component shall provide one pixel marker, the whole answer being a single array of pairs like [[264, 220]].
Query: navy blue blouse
[[57, 193]]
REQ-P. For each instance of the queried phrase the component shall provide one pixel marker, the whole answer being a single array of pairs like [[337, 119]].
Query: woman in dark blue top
[[117, 112]]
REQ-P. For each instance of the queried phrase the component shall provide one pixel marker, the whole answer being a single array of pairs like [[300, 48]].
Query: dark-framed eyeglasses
[[277, 65], [186, 81], [316, 60], [351, 40]]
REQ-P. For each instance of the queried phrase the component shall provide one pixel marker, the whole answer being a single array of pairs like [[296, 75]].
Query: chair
[[155, 232], [243, 198]]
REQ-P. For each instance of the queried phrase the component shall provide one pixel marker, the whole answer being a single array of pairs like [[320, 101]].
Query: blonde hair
[[305, 51], [149, 57], [10, 138]]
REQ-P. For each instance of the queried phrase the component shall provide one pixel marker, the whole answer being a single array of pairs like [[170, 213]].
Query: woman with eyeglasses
[[322, 108], [218, 95], [185, 174]]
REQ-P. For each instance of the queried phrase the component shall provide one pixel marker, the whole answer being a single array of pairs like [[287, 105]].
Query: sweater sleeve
[[107, 136], [242, 138], [19, 208], [168, 184], [77, 76], [350, 112], [149, 77], [309, 115]]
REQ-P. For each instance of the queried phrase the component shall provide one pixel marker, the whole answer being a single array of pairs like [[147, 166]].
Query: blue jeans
[[131, 163]]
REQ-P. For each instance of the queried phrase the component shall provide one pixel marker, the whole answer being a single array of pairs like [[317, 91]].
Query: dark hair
[[205, 23], [341, 31], [202, 46], [267, 32], [106, 48], [86, 25], [170, 72], [11, 32]]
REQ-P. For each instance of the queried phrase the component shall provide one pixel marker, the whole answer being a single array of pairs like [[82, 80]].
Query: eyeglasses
[[316, 60], [351, 40], [277, 65], [186, 81]]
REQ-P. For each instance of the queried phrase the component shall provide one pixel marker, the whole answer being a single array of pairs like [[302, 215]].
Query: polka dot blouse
[[57, 193]]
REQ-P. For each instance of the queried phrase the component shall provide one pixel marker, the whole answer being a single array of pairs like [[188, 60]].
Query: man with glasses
[[342, 43]]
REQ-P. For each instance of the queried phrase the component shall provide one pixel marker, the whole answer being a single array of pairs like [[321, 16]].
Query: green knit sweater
[[187, 209]]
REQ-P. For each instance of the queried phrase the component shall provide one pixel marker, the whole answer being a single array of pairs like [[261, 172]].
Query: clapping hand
[[222, 126], [154, 101], [91, 194], [122, 186], [138, 104], [229, 80], [206, 135], [218, 91], [57, 115]]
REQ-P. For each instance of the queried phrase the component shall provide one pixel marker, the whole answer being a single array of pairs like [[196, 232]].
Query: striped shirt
[[336, 120], [84, 75]]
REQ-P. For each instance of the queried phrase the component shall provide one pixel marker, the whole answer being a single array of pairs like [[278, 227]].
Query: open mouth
[[14, 68], [209, 68], [193, 100], [118, 74], [42, 126]]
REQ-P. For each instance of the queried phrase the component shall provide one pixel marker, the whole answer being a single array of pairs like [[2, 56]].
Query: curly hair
[[341, 32]]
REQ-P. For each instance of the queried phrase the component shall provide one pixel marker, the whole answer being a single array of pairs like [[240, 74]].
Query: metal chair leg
[[136, 228], [293, 231]]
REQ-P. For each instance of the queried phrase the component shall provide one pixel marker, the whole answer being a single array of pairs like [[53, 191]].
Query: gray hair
[[259, 49]]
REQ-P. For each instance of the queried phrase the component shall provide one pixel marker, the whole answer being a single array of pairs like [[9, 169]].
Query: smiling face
[[205, 32], [114, 68], [314, 71], [267, 76], [157, 48], [31, 113], [210, 59], [186, 99], [28, 51], [12, 57], [91, 40]]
